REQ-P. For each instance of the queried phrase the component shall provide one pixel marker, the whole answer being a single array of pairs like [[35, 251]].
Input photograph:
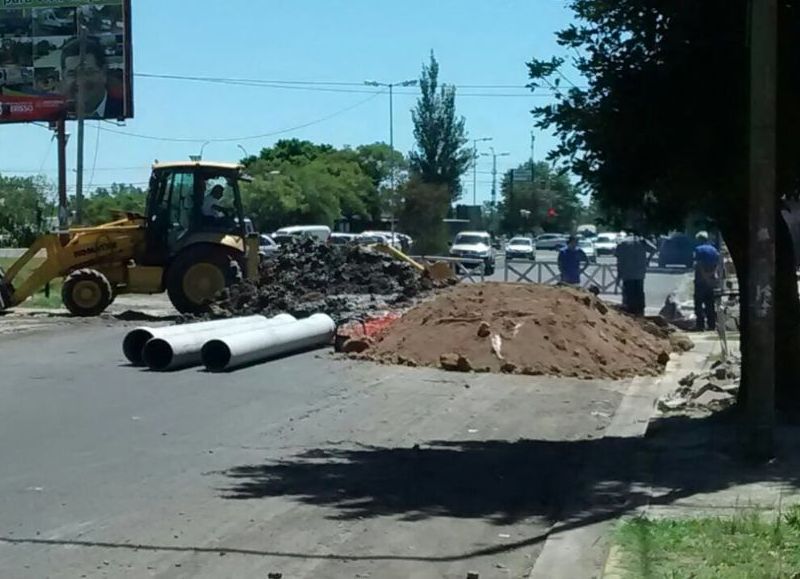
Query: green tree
[[660, 125], [23, 209], [376, 161], [441, 157], [549, 202], [423, 213], [299, 182], [103, 205]]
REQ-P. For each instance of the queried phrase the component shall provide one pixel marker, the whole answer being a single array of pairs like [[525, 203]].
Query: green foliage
[[423, 213], [441, 157], [662, 123], [526, 203], [100, 207], [299, 182], [745, 545], [23, 209]]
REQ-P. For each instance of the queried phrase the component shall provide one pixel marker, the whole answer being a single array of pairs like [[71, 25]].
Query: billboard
[[40, 59]]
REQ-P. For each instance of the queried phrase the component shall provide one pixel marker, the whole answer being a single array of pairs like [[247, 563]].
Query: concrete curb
[[582, 552], [705, 347]]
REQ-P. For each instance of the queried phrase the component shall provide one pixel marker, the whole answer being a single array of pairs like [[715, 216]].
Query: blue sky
[[477, 42]]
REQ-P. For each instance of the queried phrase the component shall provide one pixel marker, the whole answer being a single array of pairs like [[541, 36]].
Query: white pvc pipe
[[229, 352], [164, 353], [135, 340]]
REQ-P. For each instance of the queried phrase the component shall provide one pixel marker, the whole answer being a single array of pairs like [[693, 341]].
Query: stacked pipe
[[223, 345]]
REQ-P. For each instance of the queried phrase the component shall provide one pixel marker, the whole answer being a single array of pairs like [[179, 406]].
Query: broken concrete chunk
[[454, 363]]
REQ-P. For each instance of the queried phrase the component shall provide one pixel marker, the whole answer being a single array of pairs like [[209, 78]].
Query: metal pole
[[80, 111], [474, 172], [63, 202], [761, 283], [391, 157], [494, 178], [533, 155]]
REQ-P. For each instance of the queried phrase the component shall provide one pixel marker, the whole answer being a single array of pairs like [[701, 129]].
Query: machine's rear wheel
[[197, 275], [86, 293]]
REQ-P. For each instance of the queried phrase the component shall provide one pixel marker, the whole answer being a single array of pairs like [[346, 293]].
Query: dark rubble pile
[[307, 277]]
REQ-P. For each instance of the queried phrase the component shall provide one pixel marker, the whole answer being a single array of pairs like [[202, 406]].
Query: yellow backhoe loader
[[192, 242]]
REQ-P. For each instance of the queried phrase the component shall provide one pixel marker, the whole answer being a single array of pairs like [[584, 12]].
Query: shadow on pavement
[[578, 482]]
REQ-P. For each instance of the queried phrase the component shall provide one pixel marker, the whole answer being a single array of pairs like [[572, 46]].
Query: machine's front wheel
[[86, 293], [197, 275]]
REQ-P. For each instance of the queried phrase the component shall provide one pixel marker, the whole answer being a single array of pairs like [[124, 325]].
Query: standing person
[[632, 260], [706, 280], [569, 262]]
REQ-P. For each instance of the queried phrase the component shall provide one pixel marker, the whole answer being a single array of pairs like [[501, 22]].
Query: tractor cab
[[191, 203]]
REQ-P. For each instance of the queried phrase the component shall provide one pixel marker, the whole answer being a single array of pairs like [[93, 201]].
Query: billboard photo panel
[[40, 59]]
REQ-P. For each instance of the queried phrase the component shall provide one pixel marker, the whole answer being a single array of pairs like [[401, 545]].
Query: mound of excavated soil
[[307, 277], [523, 329]]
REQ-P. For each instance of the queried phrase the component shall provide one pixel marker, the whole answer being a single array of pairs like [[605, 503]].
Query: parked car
[[319, 232], [342, 238], [266, 246], [521, 248], [587, 245], [677, 249], [606, 243], [550, 241], [475, 245], [372, 238]]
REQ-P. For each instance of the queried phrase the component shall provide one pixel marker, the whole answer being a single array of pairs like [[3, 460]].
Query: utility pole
[[494, 156], [533, 156], [80, 112], [475, 167], [760, 412], [63, 202], [392, 167]]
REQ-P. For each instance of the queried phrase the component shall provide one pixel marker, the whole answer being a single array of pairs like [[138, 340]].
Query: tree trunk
[[787, 307], [787, 322]]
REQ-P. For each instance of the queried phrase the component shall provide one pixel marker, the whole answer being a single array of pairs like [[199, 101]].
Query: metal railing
[[601, 275], [458, 264]]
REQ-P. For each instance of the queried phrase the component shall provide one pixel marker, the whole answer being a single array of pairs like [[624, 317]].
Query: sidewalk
[[694, 467]]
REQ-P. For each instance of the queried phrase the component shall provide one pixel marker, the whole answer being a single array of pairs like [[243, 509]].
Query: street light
[[390, 86], [203, 147], [246, 154], [475, 167], [494, 156]]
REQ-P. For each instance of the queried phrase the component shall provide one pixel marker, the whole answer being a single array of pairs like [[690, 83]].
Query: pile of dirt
[[523, 329], [306, 277]]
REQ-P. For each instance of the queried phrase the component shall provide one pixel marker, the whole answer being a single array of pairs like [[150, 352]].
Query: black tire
[[198, 274], [86, 293]]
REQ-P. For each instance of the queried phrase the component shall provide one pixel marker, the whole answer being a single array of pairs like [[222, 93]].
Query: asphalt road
[[308, 466]]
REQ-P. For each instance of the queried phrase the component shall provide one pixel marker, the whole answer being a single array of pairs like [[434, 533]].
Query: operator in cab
[[212, 204]]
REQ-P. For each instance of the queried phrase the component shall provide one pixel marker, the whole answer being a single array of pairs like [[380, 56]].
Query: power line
[[335, 86], [250, 137]]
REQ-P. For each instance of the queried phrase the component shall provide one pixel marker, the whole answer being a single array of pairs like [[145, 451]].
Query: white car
[[587, 245], [319, 232], [606, 243], [342, 238], [551, 241], [521, 248], [266, 246], [475, 245]]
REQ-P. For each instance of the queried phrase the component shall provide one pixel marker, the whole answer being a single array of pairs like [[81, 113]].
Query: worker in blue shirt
[[569, 262], [706, 281]]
